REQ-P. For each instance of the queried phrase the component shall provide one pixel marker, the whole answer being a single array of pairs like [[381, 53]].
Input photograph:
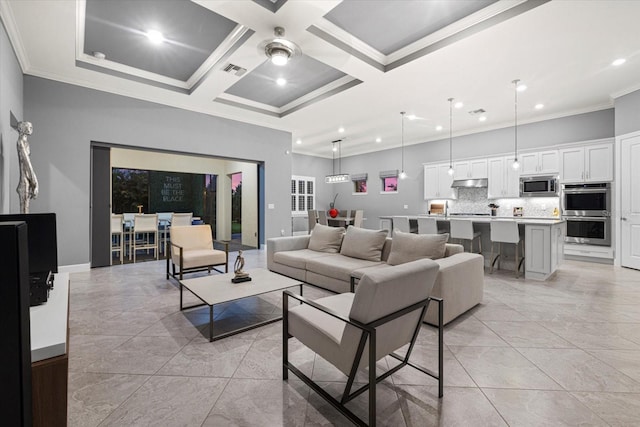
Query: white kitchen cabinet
[[591, 163], [539, 163], [470, 169], [437, 182], [504, 180], [544, 248]]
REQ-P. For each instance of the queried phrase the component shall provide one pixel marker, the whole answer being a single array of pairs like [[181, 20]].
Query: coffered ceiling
[[361, 62]]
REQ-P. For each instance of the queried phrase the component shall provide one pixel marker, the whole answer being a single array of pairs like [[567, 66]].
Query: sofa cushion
[[296, 259], [326, 239], [363, 244], [407, 247], [337, 266]]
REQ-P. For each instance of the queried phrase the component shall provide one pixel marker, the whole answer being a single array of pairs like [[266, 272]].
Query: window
[[359, 183], [302, 194], [389, 181]]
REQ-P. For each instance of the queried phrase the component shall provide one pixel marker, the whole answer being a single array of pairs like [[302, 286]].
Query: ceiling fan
[[279, 49]]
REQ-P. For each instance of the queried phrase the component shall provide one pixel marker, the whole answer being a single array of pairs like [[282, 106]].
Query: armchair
[[191, 249], [354, 330]]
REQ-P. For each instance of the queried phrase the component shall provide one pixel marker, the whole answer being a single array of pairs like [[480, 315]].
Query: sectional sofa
[[330, 256]]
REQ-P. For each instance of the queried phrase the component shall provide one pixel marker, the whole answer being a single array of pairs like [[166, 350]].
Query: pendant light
[[403, 175], [450, 136], [515, 164], [336, 178]]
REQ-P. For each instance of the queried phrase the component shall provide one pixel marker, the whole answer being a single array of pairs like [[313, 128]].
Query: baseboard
[[74, 268]]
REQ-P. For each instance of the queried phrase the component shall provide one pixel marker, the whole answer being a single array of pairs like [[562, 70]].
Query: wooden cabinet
[[590, 163], [539, 163], [470, 169], [437, 182], [504, 180]]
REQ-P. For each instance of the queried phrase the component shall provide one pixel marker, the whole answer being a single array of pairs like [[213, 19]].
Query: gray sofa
[[459, 282]]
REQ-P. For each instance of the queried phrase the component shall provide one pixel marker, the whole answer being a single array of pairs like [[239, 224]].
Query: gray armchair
[[354, 330]]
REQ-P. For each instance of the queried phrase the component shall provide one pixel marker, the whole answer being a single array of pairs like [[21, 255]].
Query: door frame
[[617, 183]]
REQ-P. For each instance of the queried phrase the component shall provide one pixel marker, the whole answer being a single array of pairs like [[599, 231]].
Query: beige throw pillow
[[407, 247], [326, 239], [363, 244]]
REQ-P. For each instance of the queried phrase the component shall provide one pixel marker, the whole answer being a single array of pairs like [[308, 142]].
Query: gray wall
[[10, 100], [67, 118], [318, 167], [582, 127], [628, 113]]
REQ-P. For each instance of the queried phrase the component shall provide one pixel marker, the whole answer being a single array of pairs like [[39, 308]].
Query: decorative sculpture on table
[[333, 212], [240, 275], [28, 183]]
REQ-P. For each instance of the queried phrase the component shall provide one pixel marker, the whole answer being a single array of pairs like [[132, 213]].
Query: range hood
[[469, 183]]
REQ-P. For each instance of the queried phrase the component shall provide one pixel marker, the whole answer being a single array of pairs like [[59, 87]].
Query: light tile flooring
[[562, 352]]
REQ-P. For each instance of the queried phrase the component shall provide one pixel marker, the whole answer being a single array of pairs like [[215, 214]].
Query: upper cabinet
[[437, 182], [504, 180], [590, 163], [540, 163], [470, 169]]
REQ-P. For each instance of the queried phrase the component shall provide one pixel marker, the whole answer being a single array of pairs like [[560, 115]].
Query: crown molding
[[8, 19]]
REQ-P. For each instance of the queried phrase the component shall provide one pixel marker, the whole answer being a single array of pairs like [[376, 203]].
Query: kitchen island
[[543, 241]]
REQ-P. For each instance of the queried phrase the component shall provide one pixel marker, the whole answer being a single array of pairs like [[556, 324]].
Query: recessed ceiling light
[[411, 117], [281, 82], [298, 141], [341, 129], [155, 36], [458, 104], [618, 62], [539, 106], [438, 128], [522, 88], [482, 118], [378, 139]]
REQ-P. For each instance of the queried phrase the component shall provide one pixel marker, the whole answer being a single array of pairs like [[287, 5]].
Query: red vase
[[333, 212]]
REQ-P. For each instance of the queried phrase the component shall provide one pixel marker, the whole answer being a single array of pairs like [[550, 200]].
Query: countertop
[[487, 219]]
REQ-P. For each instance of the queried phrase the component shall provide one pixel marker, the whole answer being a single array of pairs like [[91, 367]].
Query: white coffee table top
[[218, 288]]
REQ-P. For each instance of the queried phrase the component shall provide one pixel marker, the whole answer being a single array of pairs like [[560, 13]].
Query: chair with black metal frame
[[386, 310], [191, 250]]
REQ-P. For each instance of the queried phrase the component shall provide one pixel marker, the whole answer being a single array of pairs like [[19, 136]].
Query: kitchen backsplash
[[474, 200]]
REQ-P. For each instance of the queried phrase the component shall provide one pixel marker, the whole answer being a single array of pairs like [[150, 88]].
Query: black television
[[42, 240]]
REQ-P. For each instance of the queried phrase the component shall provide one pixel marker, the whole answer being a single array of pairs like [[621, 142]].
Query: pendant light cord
[[402, 136], [450, 133], [515, 127]]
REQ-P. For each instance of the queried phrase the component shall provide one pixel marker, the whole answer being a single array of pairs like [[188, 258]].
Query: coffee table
[[212, 290]]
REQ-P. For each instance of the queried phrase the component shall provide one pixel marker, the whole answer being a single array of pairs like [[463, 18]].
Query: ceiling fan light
[[279, 57]]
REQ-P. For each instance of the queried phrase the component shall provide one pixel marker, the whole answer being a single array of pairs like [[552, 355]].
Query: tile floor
[[562, 352]]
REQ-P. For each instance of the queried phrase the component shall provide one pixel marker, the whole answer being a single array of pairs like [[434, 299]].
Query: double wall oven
[[587, 208]]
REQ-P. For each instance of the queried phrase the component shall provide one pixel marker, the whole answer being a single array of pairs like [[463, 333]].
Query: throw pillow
[[407, 247], [363, 244], [326, 239]]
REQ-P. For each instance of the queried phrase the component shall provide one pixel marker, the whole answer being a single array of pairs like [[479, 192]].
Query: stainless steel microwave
[[539, 186]]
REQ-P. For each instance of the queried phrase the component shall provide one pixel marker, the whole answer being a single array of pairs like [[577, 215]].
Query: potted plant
[[494, 209]]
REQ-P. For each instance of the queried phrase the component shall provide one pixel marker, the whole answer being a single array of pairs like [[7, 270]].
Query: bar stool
[[145, 225], [462, 229], [117, 236], [428, 225], [401, 223], [505, 231]]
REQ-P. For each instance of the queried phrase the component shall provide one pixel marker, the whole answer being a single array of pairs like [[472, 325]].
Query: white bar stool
[[506, 231], [462, 229], [145, 225], [117, 236], [427, 225], [401, 223]]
